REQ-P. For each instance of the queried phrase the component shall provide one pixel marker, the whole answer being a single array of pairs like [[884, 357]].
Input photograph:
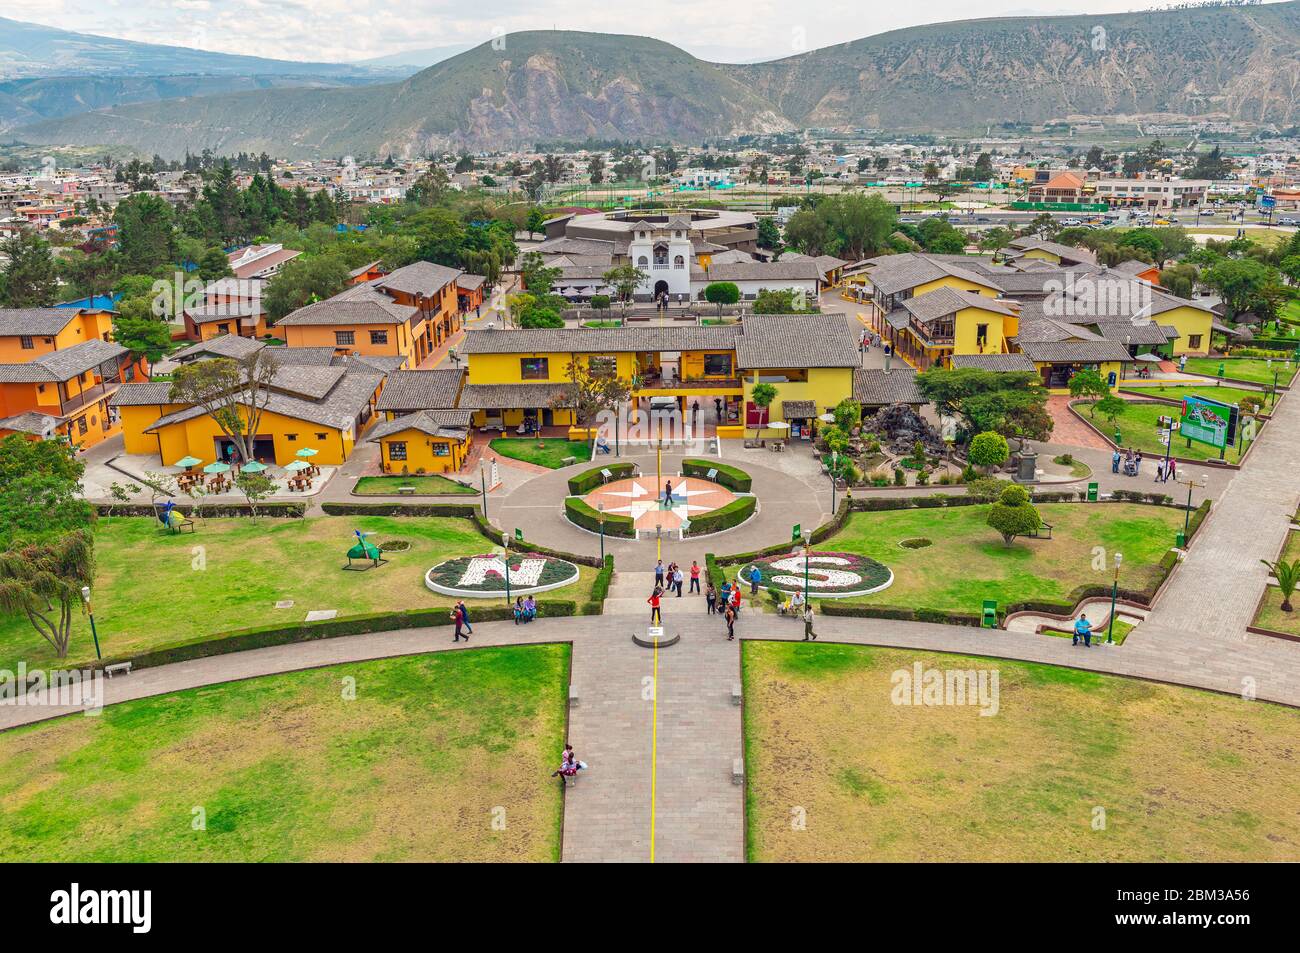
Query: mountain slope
[[542, 85], [30, 49], [1243, 61]]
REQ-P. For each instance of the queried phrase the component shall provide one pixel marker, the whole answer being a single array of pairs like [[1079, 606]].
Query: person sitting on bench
[[602, 445], [795, 604]]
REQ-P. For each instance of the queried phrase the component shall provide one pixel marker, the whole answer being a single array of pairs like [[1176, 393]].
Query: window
[[442, 449], [534, 368], [679, 262], [27, 342], [321, 437], [981, 335], [223, 329], [344, 338], [717, 365], [81, 426], [397, 450], [602, 365], [291, 437], [643, 261], [378, 337], [1194, 342]]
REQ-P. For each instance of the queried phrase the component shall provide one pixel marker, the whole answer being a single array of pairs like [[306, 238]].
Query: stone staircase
[[628, 592]]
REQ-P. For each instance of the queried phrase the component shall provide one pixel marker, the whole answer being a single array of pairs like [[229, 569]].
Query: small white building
[[664, 252]]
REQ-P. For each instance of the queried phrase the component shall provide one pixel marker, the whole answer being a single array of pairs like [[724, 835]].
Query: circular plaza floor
[[642, 500]]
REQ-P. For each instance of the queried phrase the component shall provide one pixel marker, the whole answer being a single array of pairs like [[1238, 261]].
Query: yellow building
[[65, 393], [934, 326], [427, 441], [324, 408], [29, 333]]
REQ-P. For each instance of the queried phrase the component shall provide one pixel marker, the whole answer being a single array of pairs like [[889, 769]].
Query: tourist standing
[[659, 574], [711, 598], [734, 601], [656, 618], [1114, 461], [678, 580], [755, 577], [695, 576], [730, 618]]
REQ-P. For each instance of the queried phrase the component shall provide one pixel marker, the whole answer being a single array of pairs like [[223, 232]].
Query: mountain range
[[1238, 61]]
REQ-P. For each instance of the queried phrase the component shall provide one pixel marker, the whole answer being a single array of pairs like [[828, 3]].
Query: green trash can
[[1180, 540], [1092, 492]]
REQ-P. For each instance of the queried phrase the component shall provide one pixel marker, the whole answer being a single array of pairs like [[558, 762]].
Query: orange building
[[367, 272], [28, 333], [469, 292], [407, 314], [230, 306]]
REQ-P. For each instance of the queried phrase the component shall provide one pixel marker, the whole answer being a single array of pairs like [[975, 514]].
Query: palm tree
[[1287, 575]]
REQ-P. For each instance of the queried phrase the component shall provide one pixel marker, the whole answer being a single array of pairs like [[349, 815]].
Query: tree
[[1239, 282], [762, 396], [596, 169], [848, 414], [40, 490], [29, 278], [988, 450], [721, 293], [783, 301], [986, 489], [593, 392], [303, 281], [1089, 384], [146, 338], [1013, 515], [233, 393], [429, 189], [1012, 403], [145, 231], [120, 495], [43, 581], [1287, 575], [1211, 165], [537, 277], [1111, 407], [769, 234], [256, 487], [213, 265], [541, 318]]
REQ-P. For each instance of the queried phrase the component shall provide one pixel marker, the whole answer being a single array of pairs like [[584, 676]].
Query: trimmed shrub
[[462, 510], [733, 478], [208, 510], [715, 573], [724, 517], [600, 586], [580, 514], [586, 481], [904, 613]]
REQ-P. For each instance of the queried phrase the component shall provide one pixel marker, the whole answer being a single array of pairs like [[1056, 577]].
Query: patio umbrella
[[1152, 358], [216, 468], [253, 467], [298, 465], [777, 425], [306, 452], [187, 462], [827, 418]]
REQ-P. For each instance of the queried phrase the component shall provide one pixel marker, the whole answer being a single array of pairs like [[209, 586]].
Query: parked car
[[1071, 222]]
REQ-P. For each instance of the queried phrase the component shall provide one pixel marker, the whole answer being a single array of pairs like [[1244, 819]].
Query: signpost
[[1210, 422]]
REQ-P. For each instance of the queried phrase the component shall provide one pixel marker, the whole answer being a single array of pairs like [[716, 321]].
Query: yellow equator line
[[654, 749]]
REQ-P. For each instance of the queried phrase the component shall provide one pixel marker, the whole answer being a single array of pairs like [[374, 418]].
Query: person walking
[[464, 615], [734, 601], [1172, 472], [729, 617], [458, 617], [668, 492], [678, 580], [695, 576], [656, 617], [659, 574], [1137, 464], [711, 598], [1083, 630], [1182, 363], [808, 633]]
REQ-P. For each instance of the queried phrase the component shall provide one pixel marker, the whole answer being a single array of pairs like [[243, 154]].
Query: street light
[[85, 597], [482, 480], [1114, 596], [505, 542], [807, 544], [1187, 515], [834, 464], [601, 507]]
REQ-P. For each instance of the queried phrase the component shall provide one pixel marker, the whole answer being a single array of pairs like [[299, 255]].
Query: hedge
[[588, 480], [733, 478], [291, 509], [904, 613], [600, 588], [462, 510], [242, 640], [724, 517], [714, 571], [580, 514]]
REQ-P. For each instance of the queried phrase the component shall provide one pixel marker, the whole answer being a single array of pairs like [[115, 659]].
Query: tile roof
[[35, 321], [420, 277], [358, 305], [144, 394], [945, 301], [469, 282], [875, 386], [32, 422], [223, 345], [993, 362], [686, 337], [796, 340], [435, 423], [421, 390], [307, 381], [805, 269], [511, 396], [1084, 352], [223, 311], [305, 356], [797, 409]]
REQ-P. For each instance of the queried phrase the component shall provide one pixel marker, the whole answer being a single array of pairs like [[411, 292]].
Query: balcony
[[90, 395]]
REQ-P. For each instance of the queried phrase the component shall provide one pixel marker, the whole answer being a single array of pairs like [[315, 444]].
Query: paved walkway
[[1069, 429]]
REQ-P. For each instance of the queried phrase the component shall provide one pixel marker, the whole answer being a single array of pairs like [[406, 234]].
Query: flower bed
[[484, 576], [830, 575]]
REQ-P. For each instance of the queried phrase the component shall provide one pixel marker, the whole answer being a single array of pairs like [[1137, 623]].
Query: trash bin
[[1180, 540], [1092, 493]]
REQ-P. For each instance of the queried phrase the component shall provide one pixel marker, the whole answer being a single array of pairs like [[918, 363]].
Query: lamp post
[[601, 508], [807, 544], [1273, 399], [1187, 515], [85, 597], [505, 542], [834, 464], [1114, 596], [482, 482]]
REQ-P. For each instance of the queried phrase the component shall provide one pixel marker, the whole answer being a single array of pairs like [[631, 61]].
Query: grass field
[[1229, 395], [285, 768], [1029, 569], [1118, 634], [1177, 772], [1270, 615], [153, 588], [1137, 426], [551, 453], [1252, 369], [428, 485]]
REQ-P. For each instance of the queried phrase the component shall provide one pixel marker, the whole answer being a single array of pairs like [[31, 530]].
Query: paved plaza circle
[[642, 499]]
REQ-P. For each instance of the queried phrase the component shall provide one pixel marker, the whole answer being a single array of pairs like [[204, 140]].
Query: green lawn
[[286, 768], [1270, 614], [551, 453], [968, 561], [154, 588], [1074, 766], [1255, 370], [1118, 634], [428, 485], [1229, 395], [1137, 426]]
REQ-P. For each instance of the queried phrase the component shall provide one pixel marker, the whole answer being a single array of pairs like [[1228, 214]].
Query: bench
[[118, 668], [735, 693], [568, 461], [178, 525], [573, 696], [406, 490], [737, 770]]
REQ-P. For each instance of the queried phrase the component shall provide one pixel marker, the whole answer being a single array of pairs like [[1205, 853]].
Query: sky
[[350, 30]]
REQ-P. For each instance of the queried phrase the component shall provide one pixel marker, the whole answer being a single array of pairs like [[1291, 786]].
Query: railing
[[89, 396], [674, 383]]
